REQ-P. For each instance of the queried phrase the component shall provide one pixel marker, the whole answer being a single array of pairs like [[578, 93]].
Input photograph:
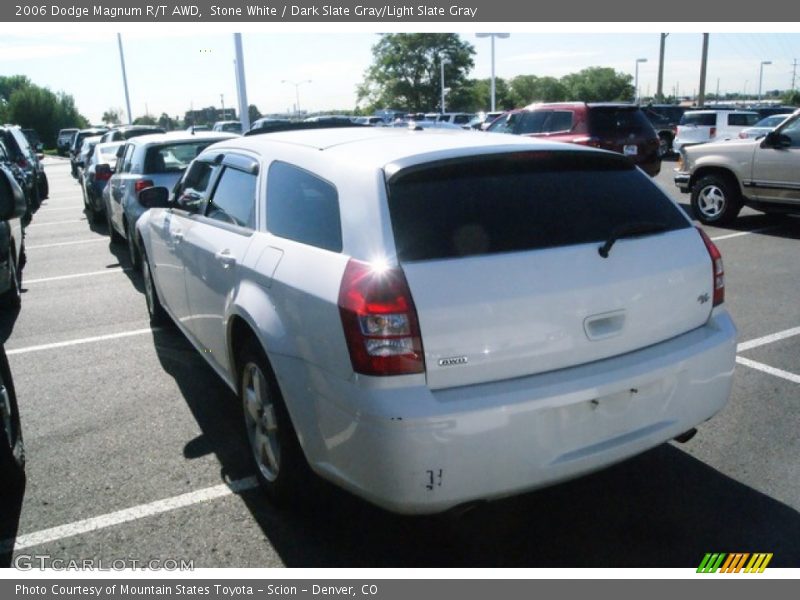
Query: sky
[[175, 68]]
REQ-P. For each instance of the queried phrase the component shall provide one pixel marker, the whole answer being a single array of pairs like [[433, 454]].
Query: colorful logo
[[714, 562]]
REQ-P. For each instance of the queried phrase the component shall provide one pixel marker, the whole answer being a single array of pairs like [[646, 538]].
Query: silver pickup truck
[[763, 174]]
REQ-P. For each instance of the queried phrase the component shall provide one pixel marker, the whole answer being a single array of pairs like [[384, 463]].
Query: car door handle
[[225, 257]]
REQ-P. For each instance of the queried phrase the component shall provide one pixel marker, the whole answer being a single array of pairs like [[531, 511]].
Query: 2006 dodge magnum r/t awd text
[[431, 318]]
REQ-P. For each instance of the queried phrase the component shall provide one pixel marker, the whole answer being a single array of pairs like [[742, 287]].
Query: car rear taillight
[[717, 269], [142, 184], [712, 132], [102, 175], [380, 321], [22, 163], [742, 135], [588, 141]]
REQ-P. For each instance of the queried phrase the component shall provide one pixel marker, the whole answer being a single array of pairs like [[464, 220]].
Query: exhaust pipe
[[686, 436]]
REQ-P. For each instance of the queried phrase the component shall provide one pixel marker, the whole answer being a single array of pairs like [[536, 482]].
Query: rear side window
[[520, 201], [303, 207], [703, 119], [172, 158], [742, 120], [528, 122], [560, 120], [608, 121], [234, 199]]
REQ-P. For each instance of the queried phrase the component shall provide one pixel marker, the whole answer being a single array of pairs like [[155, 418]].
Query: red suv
[[622, 128]]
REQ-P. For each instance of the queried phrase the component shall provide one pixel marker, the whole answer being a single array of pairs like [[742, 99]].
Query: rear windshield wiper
[[630, 230]]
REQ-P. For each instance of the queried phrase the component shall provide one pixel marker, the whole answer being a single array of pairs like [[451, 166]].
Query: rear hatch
[[697, 127], [624, 129], [165, 163], [501, 257]]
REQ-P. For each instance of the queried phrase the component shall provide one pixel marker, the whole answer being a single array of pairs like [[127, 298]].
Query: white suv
[[700, 126], [430, 318]]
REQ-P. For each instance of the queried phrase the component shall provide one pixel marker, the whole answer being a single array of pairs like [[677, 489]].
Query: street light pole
[[296, 85], [636, 79], [124, 79], [761, 76], [442, 61], [493, 36]]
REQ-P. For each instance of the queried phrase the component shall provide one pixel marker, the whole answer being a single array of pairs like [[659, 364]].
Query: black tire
[[12, 447], [155, 310], [44, 188], [12, 297], [133, 251], [115, 237], [279, 462], [716, 199]]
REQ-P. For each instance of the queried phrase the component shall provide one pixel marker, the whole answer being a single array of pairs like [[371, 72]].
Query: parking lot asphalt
[[135, 449]]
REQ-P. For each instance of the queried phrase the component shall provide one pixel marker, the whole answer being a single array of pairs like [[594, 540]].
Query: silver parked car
[[13, 207], [431, 318], [147, 161]]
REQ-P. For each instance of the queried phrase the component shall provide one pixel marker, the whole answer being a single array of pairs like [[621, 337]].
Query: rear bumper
[[414, 450]]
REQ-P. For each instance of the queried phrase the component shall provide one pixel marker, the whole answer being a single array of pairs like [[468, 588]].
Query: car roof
[[180, 136], [365, 147], [709, 111]]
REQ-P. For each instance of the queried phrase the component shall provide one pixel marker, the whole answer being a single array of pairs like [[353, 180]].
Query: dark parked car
[[77, 144], [620, 128], [19, 177], [13, 207], [20, 152], [64, 140], [665, 119], [126, 132], [12, 450], [98, 171]]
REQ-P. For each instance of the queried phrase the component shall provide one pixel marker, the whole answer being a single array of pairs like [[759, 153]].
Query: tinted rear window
[[742, 120], [704, 119], [172, 158], [518, 202], [608, 121]]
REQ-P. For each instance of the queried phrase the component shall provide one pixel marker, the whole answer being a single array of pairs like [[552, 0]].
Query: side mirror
[[154, 197], [776, 139], [12, 198]]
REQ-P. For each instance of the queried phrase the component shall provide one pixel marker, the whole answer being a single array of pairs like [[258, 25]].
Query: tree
[[406, 71], [166, 122], [35, 107], [481, 95], [526, 89], [253, 113], [112, 116], [145, 120], [598, 84], [792, 98]]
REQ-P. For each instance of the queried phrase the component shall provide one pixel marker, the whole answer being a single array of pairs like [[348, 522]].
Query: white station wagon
[[434, 318]]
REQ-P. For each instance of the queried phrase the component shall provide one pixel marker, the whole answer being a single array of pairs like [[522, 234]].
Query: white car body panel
[[544, 397]]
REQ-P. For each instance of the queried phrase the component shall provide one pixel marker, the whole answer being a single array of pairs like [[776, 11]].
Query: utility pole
[[794, 72], [222, 101], [124, 78], [241, 85], [660, 88], [701, 98]]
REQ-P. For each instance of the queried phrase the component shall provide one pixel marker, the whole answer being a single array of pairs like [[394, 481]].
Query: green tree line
[[28, 105]]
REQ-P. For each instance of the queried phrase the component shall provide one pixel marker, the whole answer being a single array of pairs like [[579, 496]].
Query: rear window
[[172, 158], [610, 121], [742, 120], [518, 202], [704, 119]]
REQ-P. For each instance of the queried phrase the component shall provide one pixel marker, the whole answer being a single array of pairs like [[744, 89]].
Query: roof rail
[[278, 127]]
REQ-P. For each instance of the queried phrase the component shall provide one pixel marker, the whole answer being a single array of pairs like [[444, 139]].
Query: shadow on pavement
[[661, 509]]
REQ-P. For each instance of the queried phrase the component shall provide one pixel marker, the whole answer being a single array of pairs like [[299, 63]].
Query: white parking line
[[46, 208], [741, 233], [88, 241], [88, 340], [128, 514], [55, 223], [768, 339], [767, 369], [77, 275]]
